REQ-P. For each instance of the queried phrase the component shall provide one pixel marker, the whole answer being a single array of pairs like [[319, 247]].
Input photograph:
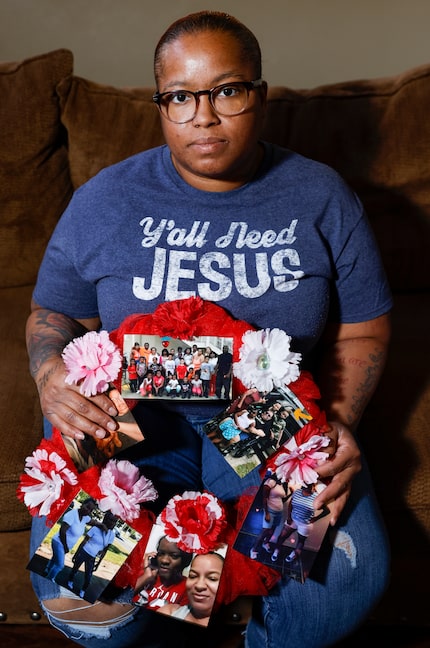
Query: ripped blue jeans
[[348, 577]]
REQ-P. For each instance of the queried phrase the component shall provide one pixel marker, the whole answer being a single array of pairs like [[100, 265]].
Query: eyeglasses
[[227, 100]]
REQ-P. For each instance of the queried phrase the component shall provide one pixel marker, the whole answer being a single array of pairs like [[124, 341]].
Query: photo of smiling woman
[[201, 587]]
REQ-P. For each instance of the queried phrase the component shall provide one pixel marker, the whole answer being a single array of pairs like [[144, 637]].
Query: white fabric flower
[[266, 360], [298, 465]]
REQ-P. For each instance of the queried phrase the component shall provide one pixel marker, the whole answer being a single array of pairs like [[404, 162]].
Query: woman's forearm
[[62, 404], [350, 369], [47, 333]]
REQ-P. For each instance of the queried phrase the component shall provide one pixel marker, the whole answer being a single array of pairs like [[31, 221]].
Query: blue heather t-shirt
[[291, 249]]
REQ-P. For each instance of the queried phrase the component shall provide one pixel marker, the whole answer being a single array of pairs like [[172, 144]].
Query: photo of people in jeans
[[255, 425]]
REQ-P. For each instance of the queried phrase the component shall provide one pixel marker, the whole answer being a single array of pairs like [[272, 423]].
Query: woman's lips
[[208, 144], [200, 598]]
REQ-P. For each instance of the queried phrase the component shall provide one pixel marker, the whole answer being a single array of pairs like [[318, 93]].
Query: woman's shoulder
[[168, 608], [145, 164], [278, 158]]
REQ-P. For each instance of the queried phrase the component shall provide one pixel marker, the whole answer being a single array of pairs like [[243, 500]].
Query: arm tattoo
[[48, 335], [368, 385]]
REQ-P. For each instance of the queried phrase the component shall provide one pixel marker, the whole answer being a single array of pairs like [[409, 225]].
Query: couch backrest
[[375, 132], [35, 184]]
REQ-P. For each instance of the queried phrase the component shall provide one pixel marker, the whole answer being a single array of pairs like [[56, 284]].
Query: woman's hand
[[47, 334], [341, 467], [68, 410]]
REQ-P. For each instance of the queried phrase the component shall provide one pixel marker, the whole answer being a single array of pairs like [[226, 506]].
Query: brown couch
[[57, 130]]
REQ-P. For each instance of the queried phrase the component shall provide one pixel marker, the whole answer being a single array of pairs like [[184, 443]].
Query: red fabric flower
[[194, 521]]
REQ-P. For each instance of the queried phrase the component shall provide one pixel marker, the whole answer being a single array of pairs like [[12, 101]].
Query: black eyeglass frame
[[157, 97]]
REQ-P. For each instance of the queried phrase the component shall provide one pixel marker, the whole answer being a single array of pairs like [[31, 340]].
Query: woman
[[201, 587], [94, 546], [275, 495], [161, 581], [278, 240], [72, 526]]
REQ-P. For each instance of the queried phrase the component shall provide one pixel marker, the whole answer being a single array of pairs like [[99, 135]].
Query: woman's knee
[[76, 610]]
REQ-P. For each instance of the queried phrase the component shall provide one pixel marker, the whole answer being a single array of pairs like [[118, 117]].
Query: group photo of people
[[155, 367], [255, 425], [282, 528], [177, 583], [85, 549]]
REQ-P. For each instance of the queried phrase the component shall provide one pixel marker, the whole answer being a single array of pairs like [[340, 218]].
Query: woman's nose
[[200, 584], [205, 113]]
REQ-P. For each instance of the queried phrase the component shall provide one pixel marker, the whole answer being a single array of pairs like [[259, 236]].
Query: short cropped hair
[[215, 21]]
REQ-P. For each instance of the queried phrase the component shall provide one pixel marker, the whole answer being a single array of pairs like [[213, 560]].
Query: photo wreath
[[269, 422]]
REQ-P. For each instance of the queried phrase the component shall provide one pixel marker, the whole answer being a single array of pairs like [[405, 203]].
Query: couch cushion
[[376, 133], [395, 423], [34, 177], [106, 125], [20, 410]]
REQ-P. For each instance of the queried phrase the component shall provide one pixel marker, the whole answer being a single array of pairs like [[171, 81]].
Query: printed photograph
[[91, 451], [84, 550], [177, 583], [282, 528], [255, 426], [175, 369]]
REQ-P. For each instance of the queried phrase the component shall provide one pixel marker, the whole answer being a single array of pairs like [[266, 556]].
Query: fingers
[[78, 418], [341, 469], [333, 435], [335, 496], [74, 414]]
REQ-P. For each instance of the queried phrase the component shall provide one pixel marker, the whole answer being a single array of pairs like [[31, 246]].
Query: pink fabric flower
[[44, 484], [193, 521], [92, 361], [298, 465], [123, 489]]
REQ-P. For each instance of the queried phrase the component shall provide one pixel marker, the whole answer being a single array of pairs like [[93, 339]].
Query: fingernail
[[100, 434], [112, 426], [112, 411], [80, 436]]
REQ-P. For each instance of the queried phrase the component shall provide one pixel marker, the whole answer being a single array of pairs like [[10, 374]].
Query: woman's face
[[169, 560], [211, 152], [87, 508], [202, 583]]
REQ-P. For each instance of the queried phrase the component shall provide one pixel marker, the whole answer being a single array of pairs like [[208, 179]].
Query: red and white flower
[[93, 361], [123, 489], [266, 360], [45, 485], [299, 464], [194, 521]]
